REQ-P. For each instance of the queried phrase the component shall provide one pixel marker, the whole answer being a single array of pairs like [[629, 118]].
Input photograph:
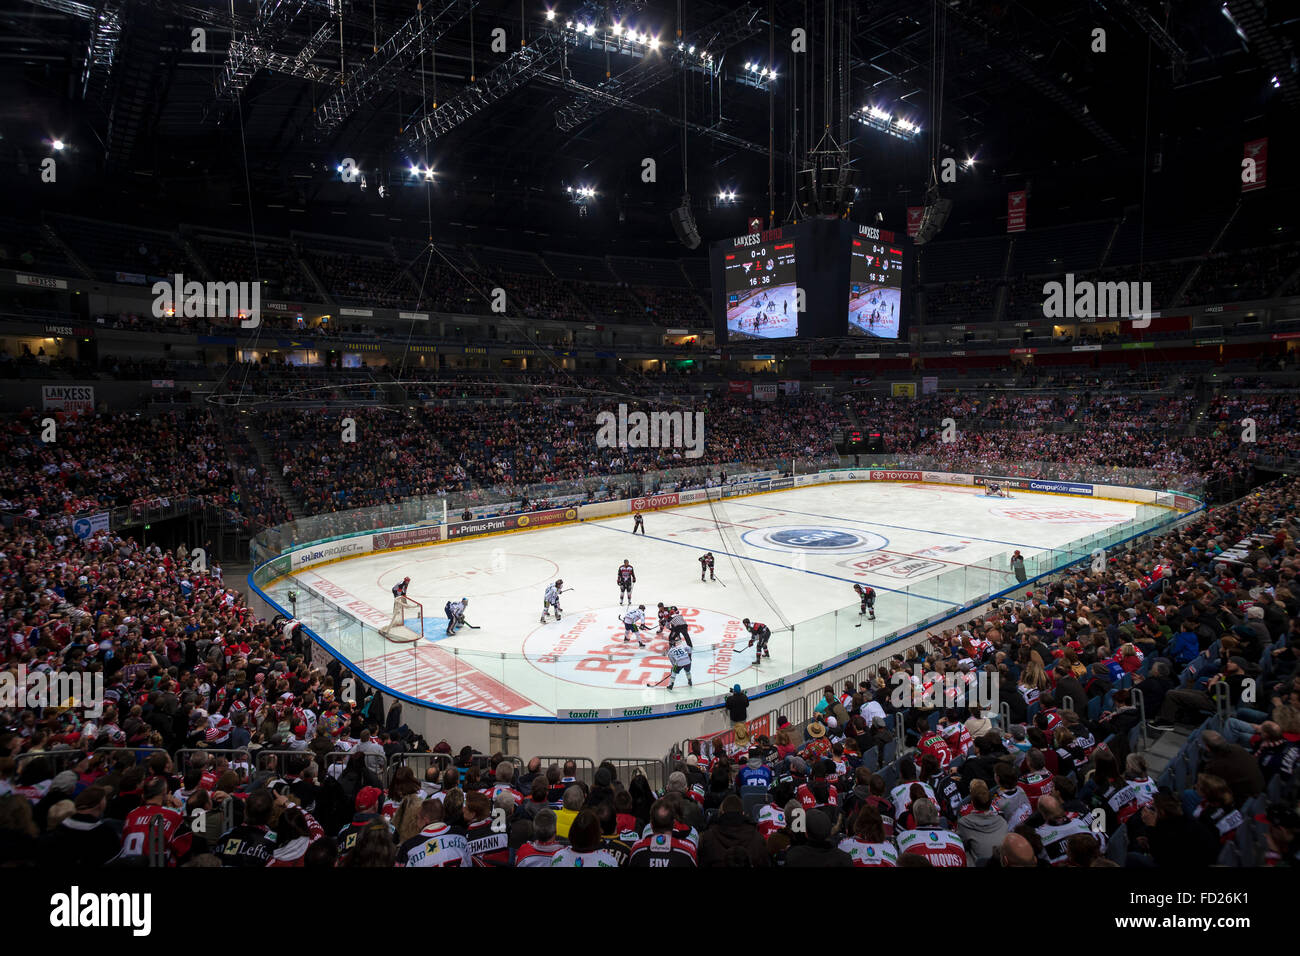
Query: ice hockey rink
[[783, 558]]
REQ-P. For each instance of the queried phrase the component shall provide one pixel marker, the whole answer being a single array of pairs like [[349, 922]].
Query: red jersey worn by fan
[[770, 819], [1036, 784], [958, 738], [933, 743], [809, 802], [939, 847], [177, 839]]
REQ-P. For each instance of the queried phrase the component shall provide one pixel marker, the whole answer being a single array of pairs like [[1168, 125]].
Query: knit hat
[[368, 798]]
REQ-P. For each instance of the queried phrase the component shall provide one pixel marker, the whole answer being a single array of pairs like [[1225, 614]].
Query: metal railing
[[654, 768], [585, 767]]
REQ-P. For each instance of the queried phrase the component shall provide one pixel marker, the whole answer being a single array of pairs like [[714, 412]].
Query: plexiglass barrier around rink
[[470, 679]]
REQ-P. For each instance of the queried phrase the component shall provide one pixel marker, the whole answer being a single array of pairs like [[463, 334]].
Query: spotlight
[[617, 30], [550, 14], [654, 43], [58, 143]]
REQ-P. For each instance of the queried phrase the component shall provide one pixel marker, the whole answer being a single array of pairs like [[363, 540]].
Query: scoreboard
[[875, 287], [815, 279], [762, 290]]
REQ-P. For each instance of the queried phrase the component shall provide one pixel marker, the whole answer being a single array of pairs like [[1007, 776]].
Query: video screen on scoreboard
[[875, 288], [761, 289]]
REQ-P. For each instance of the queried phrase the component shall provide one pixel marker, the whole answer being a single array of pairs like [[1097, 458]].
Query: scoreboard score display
[[815, 279], [875, 288], [761, 290]]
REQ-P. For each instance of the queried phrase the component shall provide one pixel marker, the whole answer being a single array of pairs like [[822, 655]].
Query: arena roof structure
[[485, 117]]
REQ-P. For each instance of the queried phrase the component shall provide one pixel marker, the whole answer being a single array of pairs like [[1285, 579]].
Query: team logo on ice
[[1058, 515], [814, 539], [588, 649]]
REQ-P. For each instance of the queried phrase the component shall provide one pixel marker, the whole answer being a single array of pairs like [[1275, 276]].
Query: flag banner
[[1017, 202]]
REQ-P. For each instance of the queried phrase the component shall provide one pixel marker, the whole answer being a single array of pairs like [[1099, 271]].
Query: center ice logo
[[589, 650], [814, 539]]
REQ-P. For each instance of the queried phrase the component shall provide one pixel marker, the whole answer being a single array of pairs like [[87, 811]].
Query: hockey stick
[[720, 581], [473, 627], [660, 680]]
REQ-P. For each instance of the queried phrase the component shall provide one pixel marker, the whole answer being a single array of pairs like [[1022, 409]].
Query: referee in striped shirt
[[677, 627]]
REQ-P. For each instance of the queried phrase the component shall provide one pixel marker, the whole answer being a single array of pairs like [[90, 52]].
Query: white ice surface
[[826, 538]]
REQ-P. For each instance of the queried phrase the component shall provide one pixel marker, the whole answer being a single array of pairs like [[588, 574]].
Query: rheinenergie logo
[[211, 300]]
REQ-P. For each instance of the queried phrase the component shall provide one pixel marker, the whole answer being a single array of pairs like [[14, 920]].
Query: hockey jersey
[[435, 845], [662, 850], [680, 655], [177, 839], [770, 819], [1056, 836], [570, 857], [940, 847], [869, 854], [536, 854]]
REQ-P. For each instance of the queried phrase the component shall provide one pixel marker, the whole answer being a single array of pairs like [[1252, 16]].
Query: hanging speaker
[[683, 220]]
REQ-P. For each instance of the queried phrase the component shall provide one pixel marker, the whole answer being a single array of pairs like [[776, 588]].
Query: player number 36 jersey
[[680, 655]]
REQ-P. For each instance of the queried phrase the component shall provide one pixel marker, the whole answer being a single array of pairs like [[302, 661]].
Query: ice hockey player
[[665, 615], [399, 605], [626, 578], [868, 598], [551, 600], [634, 624], [638, 523], [679, 655], [706, 564], [758, 633], [993, 490], [677, 627], [455, 611]]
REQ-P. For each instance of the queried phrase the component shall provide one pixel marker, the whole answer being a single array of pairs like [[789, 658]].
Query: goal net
[[407, 623]]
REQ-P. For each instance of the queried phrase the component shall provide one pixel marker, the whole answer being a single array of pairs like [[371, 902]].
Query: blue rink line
[[774, 564], [896, 527]]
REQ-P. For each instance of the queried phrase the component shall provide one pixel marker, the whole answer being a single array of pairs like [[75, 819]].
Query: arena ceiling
[[257, 113]]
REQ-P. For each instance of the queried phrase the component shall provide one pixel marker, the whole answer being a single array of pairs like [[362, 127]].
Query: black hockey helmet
[[745, 622]]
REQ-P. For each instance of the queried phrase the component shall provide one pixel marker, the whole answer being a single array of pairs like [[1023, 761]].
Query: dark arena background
[[649, 434]]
